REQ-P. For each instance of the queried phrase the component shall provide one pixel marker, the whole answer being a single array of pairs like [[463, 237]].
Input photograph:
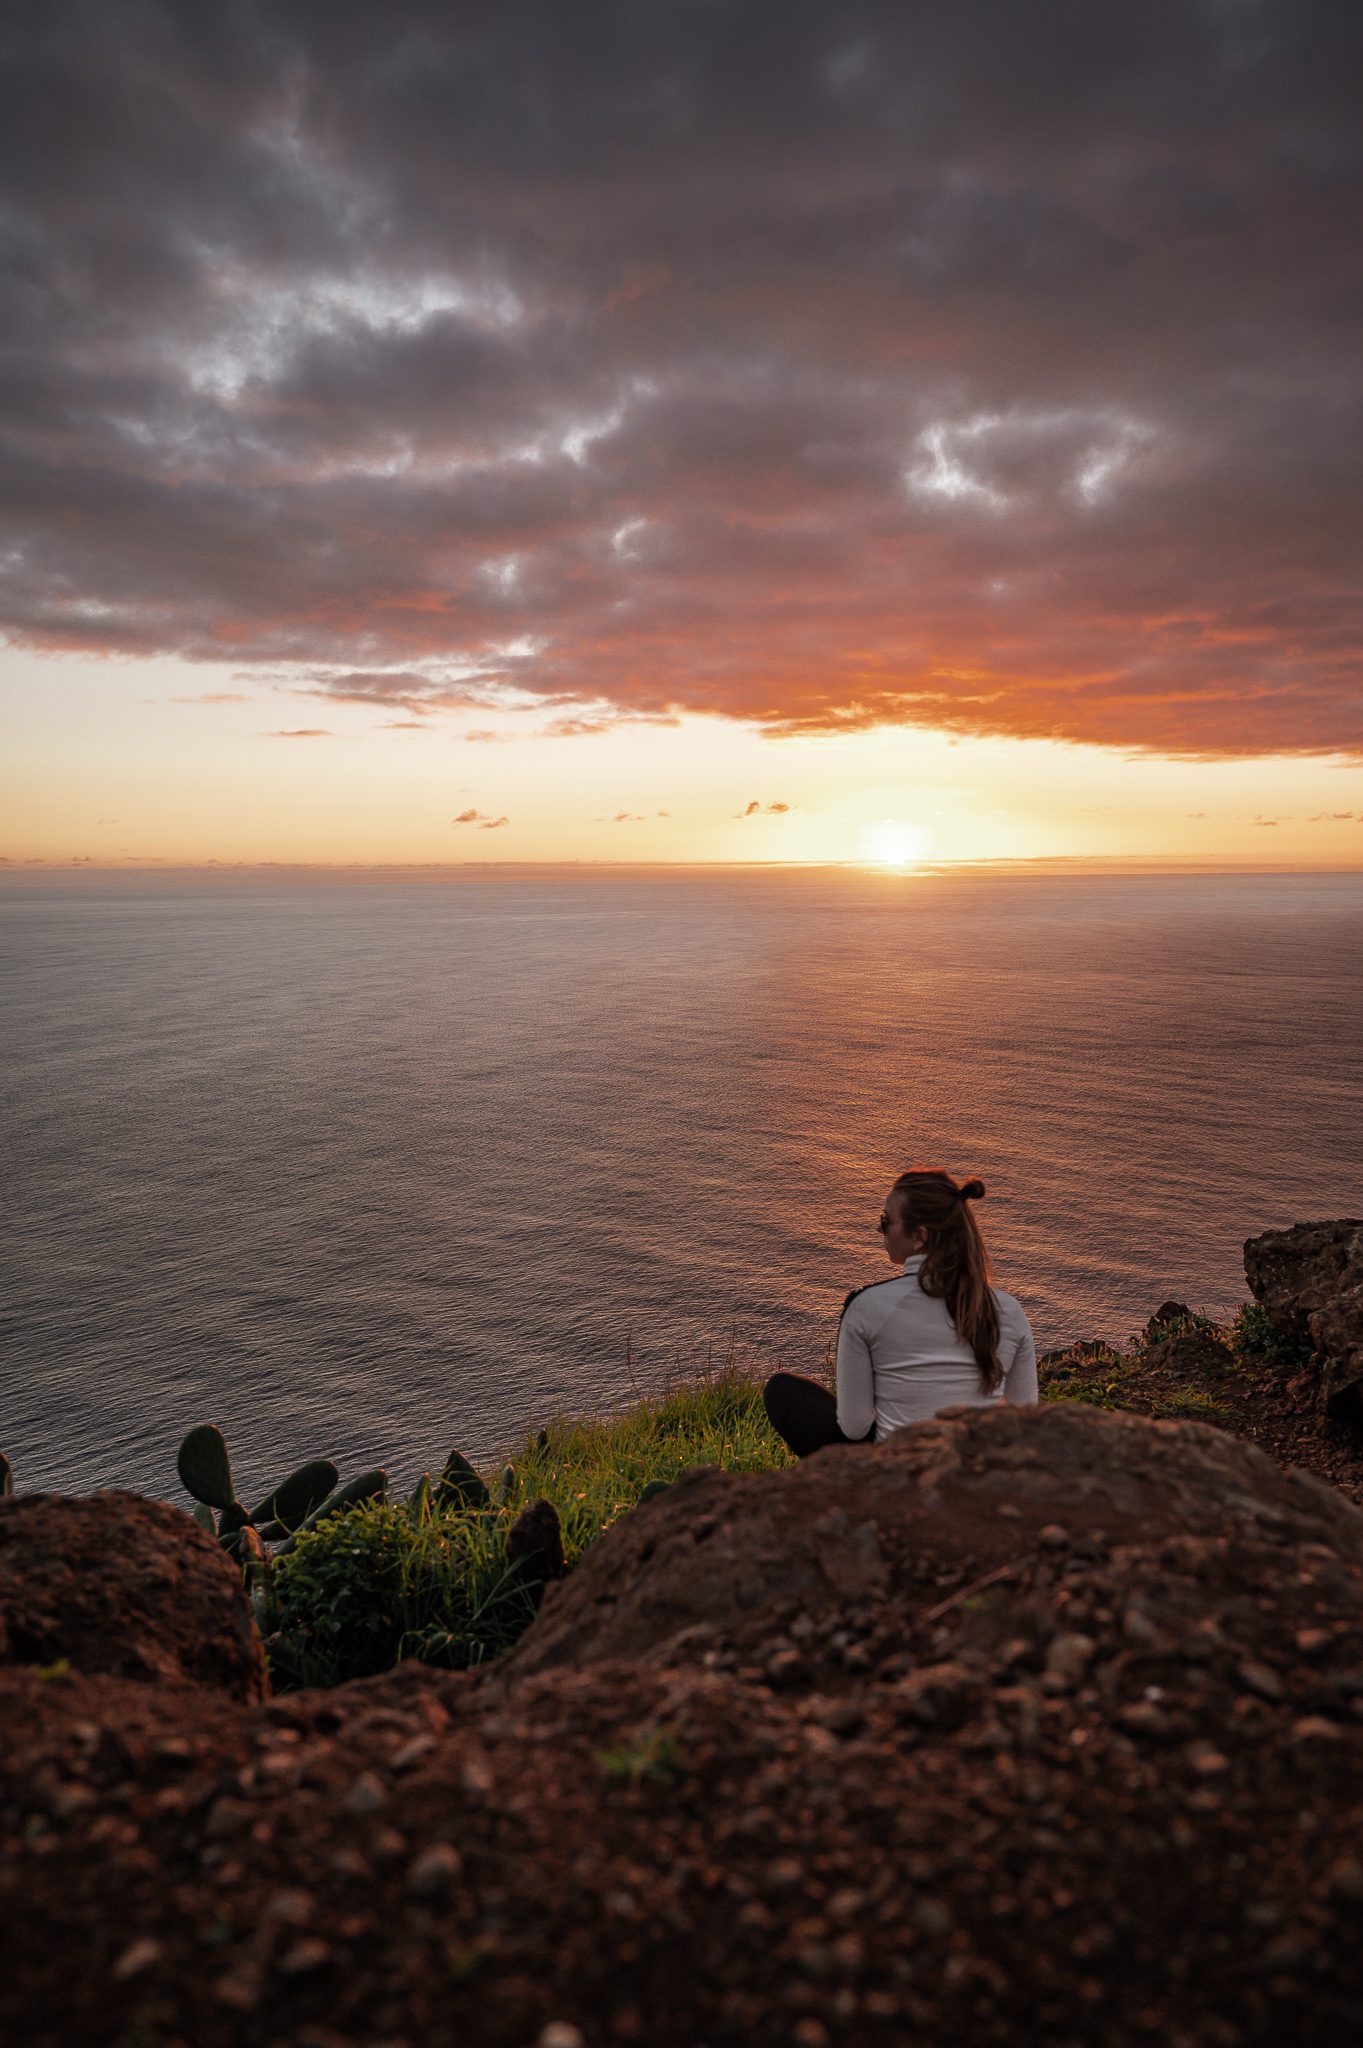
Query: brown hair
[[955, 1266]]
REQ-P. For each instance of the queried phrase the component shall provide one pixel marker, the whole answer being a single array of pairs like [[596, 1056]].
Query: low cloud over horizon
[[993, 369]]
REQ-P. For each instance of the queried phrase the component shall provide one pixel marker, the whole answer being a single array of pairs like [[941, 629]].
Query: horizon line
[[11, 865]]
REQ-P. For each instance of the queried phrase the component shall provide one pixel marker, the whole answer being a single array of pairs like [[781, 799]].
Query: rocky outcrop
[[123, 1586], [846, 1543], [1337, 1330], [1026, 1726], [1309, 1281]]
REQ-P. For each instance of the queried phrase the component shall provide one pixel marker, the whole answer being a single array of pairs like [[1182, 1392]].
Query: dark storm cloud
[[992, 367]]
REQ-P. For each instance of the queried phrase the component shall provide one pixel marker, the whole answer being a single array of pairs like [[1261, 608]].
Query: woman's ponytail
[[955, 1267]]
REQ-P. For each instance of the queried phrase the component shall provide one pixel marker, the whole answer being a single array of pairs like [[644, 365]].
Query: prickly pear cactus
[[419, 1506], [365, 1486], [232, 1518], [506, 1486], [460, 1485], [206, 1519], [653, 1489], [294, 1499], [6, 1476], [205, 1468]]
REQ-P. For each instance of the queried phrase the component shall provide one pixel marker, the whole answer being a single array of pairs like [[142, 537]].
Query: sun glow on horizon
[[138, 763], [891, 843]]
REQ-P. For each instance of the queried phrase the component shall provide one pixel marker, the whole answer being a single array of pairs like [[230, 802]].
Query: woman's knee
[[776, 1395]]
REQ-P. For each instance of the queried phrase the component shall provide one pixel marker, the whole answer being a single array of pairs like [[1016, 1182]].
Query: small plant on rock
[[1253, 1335], [652, 1755]]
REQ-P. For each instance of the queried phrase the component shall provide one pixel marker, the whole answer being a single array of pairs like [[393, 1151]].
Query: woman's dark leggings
[[804, 1414]]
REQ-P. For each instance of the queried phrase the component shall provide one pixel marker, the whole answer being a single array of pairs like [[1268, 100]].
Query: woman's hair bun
[[972, 1191]]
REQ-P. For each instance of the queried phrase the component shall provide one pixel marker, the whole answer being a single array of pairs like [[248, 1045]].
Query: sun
[[890, 843]]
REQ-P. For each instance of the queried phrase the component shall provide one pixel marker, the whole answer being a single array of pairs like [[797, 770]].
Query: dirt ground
[[1043, 1727]]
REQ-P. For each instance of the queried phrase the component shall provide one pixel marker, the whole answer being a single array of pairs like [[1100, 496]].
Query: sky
[[680, 431]]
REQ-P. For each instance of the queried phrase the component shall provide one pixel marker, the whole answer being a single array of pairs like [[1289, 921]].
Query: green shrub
[[374, 1585], [1252, 1335]]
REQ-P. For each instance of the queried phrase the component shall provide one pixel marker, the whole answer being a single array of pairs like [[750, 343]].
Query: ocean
[[371, 1165]]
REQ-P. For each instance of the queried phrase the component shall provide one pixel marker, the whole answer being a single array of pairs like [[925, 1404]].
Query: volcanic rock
[[1309, 1281], [125, 1586], [725, 1561], [1167, 1312], [1192, 1354], [1293, 1273], [1337, 1330]]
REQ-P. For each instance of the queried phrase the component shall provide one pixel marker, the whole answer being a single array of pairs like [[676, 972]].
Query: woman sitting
[[934, 1336]]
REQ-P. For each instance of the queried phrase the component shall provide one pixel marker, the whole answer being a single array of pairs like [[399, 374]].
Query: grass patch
[[1193, 1405], [1100, 1377], [595, 1471]]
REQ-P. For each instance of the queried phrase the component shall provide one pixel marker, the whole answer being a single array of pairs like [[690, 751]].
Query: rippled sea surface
[[373, 1166]]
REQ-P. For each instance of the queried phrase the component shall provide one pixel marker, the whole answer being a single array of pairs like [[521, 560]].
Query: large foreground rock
[[124, 1586], [1309, 1281], [846, 1542], [1025, 1728]]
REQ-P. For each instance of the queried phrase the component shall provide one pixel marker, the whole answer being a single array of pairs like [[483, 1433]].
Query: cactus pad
[[294, 1499], [365, 1486], [460, 1485], [205, 1468]]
